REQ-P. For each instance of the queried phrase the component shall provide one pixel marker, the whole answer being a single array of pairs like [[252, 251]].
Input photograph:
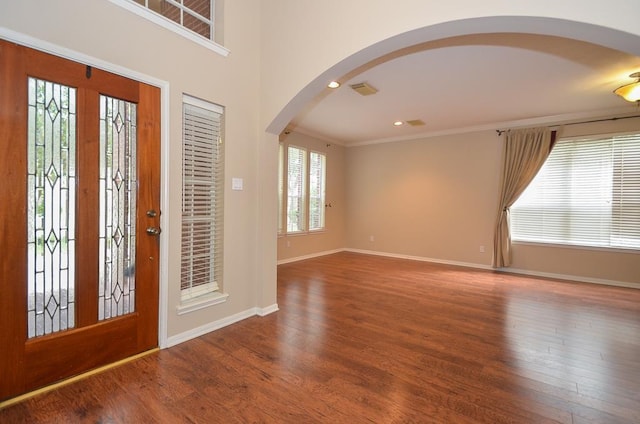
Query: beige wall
[[334, 236], [433, 198], [436, 199]]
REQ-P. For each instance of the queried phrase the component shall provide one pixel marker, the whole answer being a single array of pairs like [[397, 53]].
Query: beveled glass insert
[[116, 290], [51, 205]]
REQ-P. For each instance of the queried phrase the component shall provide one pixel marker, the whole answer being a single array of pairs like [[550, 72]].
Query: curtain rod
[[500, 132]]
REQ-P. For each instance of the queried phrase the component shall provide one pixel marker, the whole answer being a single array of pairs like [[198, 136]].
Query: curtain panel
[[524, 153]]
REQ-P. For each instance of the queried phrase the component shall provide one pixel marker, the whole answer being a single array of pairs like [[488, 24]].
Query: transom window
[[193, 19], [195, 15]]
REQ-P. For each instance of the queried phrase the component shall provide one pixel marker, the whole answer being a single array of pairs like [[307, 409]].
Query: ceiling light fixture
[[333, 84], [630, 92], [398, 123]]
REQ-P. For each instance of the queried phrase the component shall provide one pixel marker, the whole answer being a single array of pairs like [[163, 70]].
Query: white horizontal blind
[[625, 228], [587, 193], [296, 188], [317, 178], [202, 198]]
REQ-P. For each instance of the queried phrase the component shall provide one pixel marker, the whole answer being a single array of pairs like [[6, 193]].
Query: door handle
[[153, 231]]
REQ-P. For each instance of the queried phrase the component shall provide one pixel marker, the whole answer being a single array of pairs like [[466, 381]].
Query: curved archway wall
[[305, 46], [312, 48]]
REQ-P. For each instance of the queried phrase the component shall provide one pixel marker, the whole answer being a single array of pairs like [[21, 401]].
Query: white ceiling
[[467, 83]]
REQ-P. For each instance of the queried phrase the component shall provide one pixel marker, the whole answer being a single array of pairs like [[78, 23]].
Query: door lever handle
[[153, 231]]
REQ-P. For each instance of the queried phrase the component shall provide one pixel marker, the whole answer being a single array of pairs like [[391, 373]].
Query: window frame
[[158, 19], [283, 191], [202, 295], [281, 180], [303, 210], [323, 192], [612, 224]]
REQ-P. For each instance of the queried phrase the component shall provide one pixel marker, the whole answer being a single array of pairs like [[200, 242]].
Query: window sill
[[577, 247], [201, 302], [302, 233], [171, 26]]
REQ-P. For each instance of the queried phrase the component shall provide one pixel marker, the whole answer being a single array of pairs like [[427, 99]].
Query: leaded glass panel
[[116, 290], [51, 202]]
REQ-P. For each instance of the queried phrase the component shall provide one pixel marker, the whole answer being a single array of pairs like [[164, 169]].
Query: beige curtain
[[525, 151]]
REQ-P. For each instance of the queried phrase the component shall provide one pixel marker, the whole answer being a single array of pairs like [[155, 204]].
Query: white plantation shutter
[[587, 194], [317, 179], [296, 188], [280, 186], [202, 197]]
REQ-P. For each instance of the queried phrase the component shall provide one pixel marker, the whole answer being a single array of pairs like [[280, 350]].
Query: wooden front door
[[79, 218]]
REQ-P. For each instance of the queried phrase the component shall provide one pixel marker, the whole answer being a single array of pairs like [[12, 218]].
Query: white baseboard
[[566, 277], [312, 255], [420, 258], [570, 278], [216, 325], [268, 310]]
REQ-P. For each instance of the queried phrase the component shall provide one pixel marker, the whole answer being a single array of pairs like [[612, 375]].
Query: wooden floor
[[362, 339]]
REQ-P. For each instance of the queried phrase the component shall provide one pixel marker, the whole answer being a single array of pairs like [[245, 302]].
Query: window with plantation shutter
[[202, 197], [296, 188], [317, 179], [586, 194], [280, 187], [302, 181]]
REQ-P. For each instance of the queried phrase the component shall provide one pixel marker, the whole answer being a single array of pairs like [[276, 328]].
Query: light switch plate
[[236, 184]]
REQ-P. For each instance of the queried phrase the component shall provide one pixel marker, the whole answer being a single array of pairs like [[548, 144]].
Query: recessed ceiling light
[[398, 123], [333, 84]]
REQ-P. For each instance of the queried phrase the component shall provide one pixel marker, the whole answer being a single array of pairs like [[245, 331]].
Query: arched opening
[[406, 170], [408, 42]]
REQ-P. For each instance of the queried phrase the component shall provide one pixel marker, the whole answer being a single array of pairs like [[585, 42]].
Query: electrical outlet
[[372, 238], [481, 249]]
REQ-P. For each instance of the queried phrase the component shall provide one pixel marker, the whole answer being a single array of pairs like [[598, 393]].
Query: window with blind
[[317, 179], [586, 194], [202, 199], [296, 188]]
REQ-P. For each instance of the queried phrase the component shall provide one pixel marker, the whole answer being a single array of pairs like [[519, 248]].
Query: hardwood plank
[[371, 339]]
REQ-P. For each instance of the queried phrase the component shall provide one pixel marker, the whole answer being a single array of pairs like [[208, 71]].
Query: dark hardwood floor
[[364, 339]]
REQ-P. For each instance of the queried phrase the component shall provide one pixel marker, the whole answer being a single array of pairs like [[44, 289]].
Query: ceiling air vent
[[363, 88], [415, 122]]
